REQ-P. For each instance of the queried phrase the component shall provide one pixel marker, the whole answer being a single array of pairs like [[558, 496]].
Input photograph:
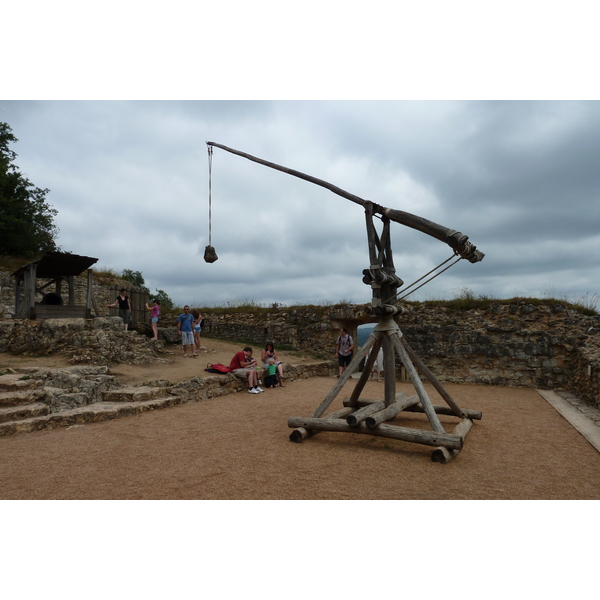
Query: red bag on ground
[[217, 368]]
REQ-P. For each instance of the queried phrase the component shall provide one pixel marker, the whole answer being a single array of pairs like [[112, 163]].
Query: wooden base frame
[[370, 416]]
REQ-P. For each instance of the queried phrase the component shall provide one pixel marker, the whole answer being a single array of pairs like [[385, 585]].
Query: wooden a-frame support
[[370, 416]]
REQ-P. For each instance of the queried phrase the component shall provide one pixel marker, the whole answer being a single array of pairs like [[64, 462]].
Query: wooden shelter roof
[[53, 265]]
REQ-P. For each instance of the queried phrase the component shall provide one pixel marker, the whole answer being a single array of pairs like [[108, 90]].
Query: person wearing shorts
[[154, 312], [185, 328], [343, 350], [242, 365]]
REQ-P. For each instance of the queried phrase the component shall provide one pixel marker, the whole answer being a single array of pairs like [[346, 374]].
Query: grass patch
[[466, 300]]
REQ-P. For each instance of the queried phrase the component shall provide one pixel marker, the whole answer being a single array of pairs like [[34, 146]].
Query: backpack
[[217, 368]]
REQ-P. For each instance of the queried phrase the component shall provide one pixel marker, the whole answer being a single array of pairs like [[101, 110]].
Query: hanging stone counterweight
[[210, 254]]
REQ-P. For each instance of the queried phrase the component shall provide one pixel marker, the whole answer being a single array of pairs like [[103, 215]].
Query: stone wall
[[311, 329], [518, 344]]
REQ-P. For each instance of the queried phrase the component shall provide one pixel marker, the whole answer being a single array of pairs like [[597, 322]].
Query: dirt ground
[[237, 447], [174, 367]]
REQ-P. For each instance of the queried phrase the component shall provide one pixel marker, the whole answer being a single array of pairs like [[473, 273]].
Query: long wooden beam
[[455, 239], [300, 433]]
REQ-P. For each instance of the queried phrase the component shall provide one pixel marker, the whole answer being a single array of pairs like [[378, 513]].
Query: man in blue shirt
[[185, 329]]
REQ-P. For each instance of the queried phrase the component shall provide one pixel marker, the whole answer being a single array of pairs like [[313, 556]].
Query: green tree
[[27, 227], [163, 299], [135, 278]]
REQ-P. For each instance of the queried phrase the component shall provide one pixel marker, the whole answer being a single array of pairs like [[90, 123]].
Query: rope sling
[[209, 252], [405, 290]]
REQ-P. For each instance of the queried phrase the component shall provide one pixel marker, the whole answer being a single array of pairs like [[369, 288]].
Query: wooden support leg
[[351, 368], [433, 379], [389, 368], [416, 381], [367, 370]]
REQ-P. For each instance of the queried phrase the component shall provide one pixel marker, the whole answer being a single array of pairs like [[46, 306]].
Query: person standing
[[185, 328], [197, 329], [377, 365], [124, 307], [154, 312], [343, 349]]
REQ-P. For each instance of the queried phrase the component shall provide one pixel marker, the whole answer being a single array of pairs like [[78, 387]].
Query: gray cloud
[[130, 182]]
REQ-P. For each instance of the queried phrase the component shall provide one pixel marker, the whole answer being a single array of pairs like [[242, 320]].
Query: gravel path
[[237, 447]]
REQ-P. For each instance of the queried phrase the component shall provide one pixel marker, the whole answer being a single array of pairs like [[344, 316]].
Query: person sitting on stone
[[267, 353], [271, 378], [242, 365]]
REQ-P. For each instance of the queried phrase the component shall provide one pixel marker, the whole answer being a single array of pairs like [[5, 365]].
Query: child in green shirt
[[271, 378]]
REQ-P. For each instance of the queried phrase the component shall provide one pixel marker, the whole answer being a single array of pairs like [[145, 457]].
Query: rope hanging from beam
[[210, 256]]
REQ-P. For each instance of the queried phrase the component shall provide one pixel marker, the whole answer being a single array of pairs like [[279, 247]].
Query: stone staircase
[[25, 405], [20, 400], [32, 398]]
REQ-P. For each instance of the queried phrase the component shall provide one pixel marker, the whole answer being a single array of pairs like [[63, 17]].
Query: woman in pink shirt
[[154, 312]]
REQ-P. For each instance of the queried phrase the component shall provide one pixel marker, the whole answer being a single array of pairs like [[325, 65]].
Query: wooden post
[[389, 371], [29, 303], [364, 376], [18, 303], [351, 368], [433, 379], [416, 381], [71, 282]]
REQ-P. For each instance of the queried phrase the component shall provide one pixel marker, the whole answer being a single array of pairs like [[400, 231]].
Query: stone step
[[93, 413], [20, 397], [133, 394], [12, 382], [18, 413]]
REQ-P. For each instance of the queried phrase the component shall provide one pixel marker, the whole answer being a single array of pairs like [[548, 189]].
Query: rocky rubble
[[100, 341]]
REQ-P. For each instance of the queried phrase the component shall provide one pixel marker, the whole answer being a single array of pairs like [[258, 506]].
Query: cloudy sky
[[112, 115], [130, 182]]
